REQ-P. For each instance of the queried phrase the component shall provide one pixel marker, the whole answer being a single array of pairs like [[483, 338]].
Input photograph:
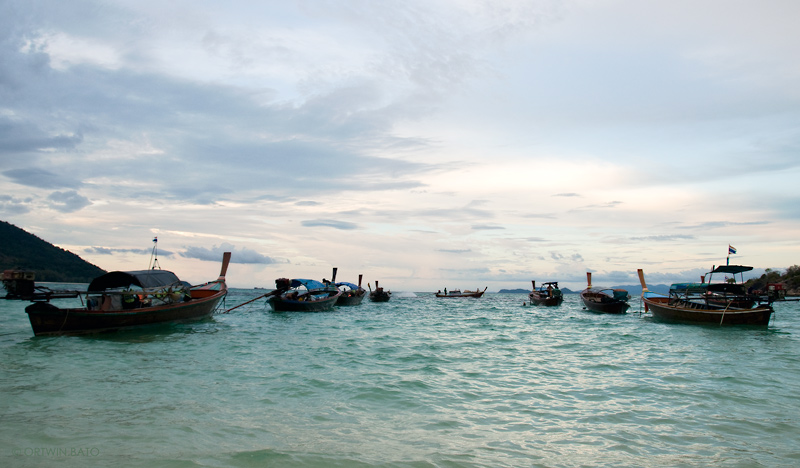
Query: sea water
[[415, 382]]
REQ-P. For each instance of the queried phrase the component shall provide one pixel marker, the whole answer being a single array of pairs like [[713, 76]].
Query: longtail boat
[[548, 294], [124, 299], [21, 284], [691, 303], [303, 295], [351, 294], [459, 293], [379, 294], [607, 301]]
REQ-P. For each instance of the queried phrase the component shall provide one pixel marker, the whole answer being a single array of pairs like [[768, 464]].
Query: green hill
[[20, 250], [790, 280]]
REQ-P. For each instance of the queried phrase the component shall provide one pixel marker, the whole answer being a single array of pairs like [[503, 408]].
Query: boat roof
[[731, 269], [689, 287], [308, 283], [142, 278], [349, 285]]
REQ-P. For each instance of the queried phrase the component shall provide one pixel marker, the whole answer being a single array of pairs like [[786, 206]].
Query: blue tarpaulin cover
[[308, 283]]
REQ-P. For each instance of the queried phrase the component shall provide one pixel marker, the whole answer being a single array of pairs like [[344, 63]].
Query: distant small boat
[[459, 293], [379, 295], [303, 295], [352, 294], [126, 299], [21, 284], [548, 294], [607, 301], [691, 303]]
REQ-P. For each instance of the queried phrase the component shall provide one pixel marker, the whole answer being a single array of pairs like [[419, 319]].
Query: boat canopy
[[308, 283], [689, 287], [145, 279], [734, 269], [352, 286]]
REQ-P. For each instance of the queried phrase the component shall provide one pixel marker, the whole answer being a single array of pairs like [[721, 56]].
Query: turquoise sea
[[415, 382]]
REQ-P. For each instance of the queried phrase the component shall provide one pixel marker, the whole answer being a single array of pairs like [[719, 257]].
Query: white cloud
[[408, 140]]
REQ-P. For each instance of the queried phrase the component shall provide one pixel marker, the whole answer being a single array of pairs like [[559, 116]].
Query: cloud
[[722, 224], [408, 125], [19, 137], [67, 202], [41, 178], [214, 254], [663, 238], [601, 206], [96, 250], [535, 239], [14, 205], [332, 223]]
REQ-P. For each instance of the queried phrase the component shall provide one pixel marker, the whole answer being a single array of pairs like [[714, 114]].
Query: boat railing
[[126, 298], [687, 294]]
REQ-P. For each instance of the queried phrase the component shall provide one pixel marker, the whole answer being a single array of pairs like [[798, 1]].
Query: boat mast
[[154, 256]]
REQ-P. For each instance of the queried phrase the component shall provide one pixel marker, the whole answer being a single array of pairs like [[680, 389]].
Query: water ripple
[[416, 382]]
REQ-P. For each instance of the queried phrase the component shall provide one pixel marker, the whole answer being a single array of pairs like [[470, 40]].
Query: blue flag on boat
[[731, 250]]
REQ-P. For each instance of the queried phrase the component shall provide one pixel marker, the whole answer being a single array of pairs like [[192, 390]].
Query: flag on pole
[[155, 239], [731, 250]]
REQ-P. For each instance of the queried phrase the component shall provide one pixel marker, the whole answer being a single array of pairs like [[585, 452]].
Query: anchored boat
[[607, 301], [303, 295], [379, 295], [548, 294], [125, 299], [351, 294], [459, 293], [695, 303]]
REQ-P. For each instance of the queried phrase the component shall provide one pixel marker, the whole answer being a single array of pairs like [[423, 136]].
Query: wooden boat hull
[[281, 304], [47, 319], [546, 301], [477, 294], [602, 303], [350, 299], [690, 312], [379, 296], [464, 293]]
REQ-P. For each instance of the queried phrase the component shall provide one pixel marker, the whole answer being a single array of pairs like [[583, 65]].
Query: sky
[[426, 144]]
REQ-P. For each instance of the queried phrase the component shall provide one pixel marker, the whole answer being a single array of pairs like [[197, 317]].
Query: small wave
[[404, 294]]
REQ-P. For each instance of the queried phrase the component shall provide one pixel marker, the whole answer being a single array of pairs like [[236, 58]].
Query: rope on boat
[[723, 312], [251, 300], [66, 316]]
